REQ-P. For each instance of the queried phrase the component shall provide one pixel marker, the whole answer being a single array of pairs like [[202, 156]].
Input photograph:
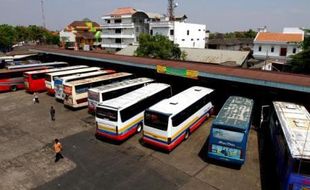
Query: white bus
[[121, 117], [50, 64], [50, 77], [76, 91], [169, 122], [109, 91], [60, 81]]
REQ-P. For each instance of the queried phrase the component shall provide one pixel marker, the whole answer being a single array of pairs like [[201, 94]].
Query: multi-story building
[[80, 34], [123, 26], [187, 35], [279, 46]]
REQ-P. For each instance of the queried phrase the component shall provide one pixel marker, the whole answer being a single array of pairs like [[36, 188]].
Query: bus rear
[[229, 131], [34, 82], [227, 145]]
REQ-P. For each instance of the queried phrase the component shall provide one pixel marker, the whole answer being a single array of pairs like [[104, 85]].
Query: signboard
[[177, 72]]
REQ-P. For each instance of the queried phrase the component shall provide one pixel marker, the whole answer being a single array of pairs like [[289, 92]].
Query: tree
[[7, 37], [300, 63], [157, 46]]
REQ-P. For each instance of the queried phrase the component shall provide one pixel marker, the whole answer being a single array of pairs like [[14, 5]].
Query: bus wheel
[[13, 88], [139, 128], [186, 135]]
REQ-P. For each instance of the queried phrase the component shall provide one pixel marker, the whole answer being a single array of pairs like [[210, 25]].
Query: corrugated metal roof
[[204, 55]]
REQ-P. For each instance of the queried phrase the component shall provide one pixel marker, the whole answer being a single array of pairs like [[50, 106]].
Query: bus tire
[[13, 88], [139, 128], [186, 135]]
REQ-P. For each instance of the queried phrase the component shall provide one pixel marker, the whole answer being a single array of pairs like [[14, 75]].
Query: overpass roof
[[281, 80]]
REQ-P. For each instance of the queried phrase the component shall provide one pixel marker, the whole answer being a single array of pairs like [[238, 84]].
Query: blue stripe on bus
[[111, 133]]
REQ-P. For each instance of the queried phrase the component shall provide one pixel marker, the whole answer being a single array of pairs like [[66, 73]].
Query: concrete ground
[[27, 159]]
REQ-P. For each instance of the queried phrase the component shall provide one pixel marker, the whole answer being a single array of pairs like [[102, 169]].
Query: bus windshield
[[227, 135], [302, 167], [103, 113], [156, 120], [48, 78]]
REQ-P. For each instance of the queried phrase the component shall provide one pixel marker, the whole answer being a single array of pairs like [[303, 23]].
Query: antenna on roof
[[171, 6]]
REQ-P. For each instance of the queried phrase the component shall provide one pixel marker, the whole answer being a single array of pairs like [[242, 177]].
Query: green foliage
[[300, 63], [157, 46], [238, 34], [10, 35]]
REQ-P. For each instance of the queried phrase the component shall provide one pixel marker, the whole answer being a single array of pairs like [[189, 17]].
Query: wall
[[196, 37], [277, 48]]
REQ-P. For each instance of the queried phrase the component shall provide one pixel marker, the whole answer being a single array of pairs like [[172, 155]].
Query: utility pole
[[43, 14]]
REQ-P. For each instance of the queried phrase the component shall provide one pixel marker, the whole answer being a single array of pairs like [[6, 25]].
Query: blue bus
[[230, 129], [288, 127]]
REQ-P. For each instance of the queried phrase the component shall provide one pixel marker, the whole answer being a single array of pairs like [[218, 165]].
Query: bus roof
[[180, 101], [74, 76], [24, 69], [117, 85], [295, 122], [73, 71], [36, 65], [132, 97], [235, 114], [56, 69], [94, 79]]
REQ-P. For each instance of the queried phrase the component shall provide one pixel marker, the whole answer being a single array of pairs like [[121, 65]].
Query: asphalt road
[[27, 160]]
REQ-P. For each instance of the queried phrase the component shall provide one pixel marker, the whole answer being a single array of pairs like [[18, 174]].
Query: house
[[186, 35], [277, 46], [123, 26], [235, 44], [80, 35]]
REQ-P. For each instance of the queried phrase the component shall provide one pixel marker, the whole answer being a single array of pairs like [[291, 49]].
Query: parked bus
[[230, 130], [109, 91], [60, 81], [288, 127], [48, 64], [76, 91], [121, 117], [35, 80], [12, 80], [170, 121], [50, 77]]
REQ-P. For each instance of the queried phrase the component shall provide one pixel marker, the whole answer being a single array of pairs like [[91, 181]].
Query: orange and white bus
[[76, 92], [50, 77]]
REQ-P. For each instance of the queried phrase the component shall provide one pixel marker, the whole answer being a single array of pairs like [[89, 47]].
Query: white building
[[279, 46], [184, 34], [123, 26]]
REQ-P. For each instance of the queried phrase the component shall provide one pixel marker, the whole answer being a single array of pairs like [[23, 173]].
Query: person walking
[[35, 98], [57, 149], [52, 112]]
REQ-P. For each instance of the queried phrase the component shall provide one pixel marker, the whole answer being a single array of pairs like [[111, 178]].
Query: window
[[106, 114], [197, 39], [156, 120], [183, 40], [272, 49], [137, 29], [192, 39], [151, 32], [259, 48], [108, 21], [117, 21], [118, 40], [38, 76], [199, 30], [171, 32], [294, 50], [118, 31], [187, 32], [81, 88]]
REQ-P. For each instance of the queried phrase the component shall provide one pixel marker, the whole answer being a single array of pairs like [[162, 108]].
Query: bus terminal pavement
[[27, 159]]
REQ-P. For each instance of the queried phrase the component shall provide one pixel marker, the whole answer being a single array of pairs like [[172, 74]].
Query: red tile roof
[[278, 37], [123, 11]]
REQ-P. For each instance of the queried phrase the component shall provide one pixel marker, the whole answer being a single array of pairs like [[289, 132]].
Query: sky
[[218, 15]]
